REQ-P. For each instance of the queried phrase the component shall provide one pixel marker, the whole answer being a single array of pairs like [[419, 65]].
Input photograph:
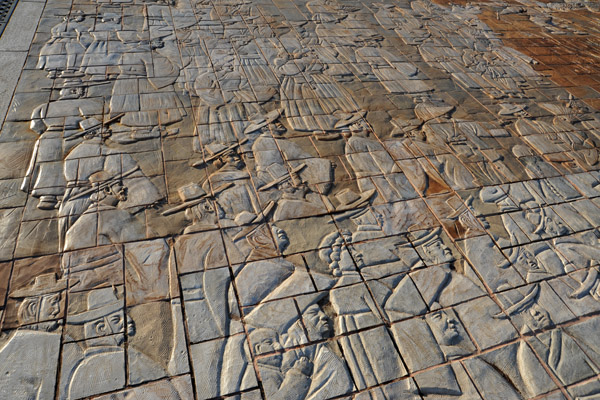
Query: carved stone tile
[[156, 346], [92, 367], [522, 376], [215, 379], [209, 302], [93, 268], [176, 388], [300, 200], [30, 357], [9, 228], [149, 271]]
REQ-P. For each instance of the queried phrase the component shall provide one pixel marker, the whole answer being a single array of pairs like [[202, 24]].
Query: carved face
[[277, 128], [41, 308], [157, 44], [109, 325], [317, 323], [119, 191], [268, 343], [281, 238], [233, 160], [554, 227], [438, 252], [468, 220], [359, 127], [205, 213], [50, 306], [444, 327], [539, 317], [528, 260], [72, 93]]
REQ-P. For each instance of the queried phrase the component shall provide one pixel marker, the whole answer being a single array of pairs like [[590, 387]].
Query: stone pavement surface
[[283, 199]]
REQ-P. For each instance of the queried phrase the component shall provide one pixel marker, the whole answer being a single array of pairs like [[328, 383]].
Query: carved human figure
[[199, 209], [97, 55], [495, 195], [440, 282], [92, 156], [144, 70], [409, 28], [371, 163], [270, 149], [104, 326], [103, 222], [58, 125], [292, 384], [393, 71], [238, 200], [538, 263], [330, 376], [29, 356], [301, 107], [432, 145], [62, 53], [557, 347]]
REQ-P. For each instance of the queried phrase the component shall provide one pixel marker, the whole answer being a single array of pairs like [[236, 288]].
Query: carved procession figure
[[59, 126], [29, 357]]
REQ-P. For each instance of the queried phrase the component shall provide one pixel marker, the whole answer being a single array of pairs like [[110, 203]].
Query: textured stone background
[[300, 200]]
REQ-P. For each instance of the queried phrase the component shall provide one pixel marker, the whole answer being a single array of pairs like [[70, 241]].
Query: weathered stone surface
[[289, 200]]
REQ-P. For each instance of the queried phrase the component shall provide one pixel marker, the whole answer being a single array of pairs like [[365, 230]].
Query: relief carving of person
[[57, 124], [330, 376], [29, 356], [279, 384]]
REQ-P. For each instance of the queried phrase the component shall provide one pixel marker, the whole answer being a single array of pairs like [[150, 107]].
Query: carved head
[[232, 159], [41, 301], [538, 317], [528, 260], [437, 251], [281, 238], [317, 323], [77, 16], [205, 212], [546, 223], [265, 340], [444, 327], [72, 92], [111, 195], [157, 43], [104, 315], [39, 308]]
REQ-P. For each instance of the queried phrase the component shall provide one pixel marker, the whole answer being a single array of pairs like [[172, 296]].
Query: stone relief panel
[[216, 199]]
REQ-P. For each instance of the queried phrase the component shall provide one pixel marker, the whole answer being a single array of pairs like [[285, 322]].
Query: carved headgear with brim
[[262, 121], [426, 237], [522, 305], [42, 285], [349, 119], [193, 194], [428, 110], [100, 303], [404, 126], [492, 194], [350, 200]]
